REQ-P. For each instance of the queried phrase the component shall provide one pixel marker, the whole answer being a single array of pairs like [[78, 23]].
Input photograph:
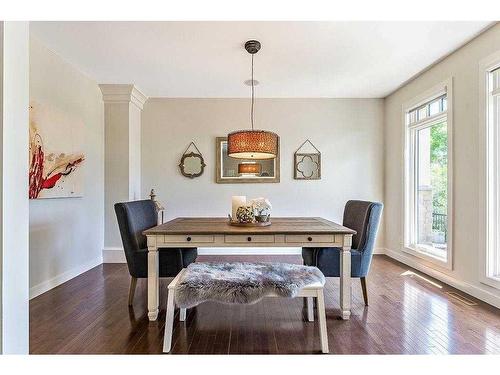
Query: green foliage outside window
[[439, 167]]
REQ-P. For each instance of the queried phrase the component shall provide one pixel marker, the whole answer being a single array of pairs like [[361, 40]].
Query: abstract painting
[[55, 155]]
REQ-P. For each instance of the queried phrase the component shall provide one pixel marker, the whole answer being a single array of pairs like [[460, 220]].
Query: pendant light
[[249, 168], [252, 144]]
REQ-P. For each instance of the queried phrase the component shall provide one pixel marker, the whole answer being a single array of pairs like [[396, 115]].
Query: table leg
[[310, 309], [345, 278], [182, 314], [153, 282]]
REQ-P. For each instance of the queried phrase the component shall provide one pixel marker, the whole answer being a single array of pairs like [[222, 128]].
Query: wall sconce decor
[[307, 165]]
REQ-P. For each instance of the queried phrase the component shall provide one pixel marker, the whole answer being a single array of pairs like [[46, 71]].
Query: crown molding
[[122, 93]]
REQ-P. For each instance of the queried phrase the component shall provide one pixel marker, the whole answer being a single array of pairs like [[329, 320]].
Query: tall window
[[491, 177], [427, 206]]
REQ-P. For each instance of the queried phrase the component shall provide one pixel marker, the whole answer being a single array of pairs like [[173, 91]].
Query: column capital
[[122, 93]]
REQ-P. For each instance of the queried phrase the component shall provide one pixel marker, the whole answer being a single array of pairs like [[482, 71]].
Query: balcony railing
[[440, 223]]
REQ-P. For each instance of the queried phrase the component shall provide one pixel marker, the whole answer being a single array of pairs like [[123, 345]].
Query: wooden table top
[[218, 225]]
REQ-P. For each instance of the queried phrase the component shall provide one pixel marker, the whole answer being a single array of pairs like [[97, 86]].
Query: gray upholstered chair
[[133, 218], [364, 218]]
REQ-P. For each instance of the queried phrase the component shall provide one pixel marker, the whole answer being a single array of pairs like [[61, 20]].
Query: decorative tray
[[254, 224]]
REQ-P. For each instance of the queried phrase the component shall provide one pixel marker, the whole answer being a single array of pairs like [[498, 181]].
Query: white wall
[[463, 67], [14, 44], [67, 234], [348, 132]]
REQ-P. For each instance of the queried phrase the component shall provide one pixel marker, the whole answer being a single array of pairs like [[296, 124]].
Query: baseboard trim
[[113, 255], [116, 254], [45, 286], [473, 290]]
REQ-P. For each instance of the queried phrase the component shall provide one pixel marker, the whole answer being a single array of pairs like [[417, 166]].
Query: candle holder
[[237, 201], [244, 215]]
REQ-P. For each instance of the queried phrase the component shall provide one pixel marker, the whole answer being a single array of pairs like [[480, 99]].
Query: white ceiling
[[297, 59]]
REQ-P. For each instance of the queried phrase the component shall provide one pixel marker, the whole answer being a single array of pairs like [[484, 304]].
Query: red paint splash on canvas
[[40, 177]]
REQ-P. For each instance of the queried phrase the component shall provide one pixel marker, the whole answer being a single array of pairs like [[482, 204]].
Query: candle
[[237, 201]]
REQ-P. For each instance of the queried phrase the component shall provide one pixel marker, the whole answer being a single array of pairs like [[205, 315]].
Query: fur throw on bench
[[243, 283]]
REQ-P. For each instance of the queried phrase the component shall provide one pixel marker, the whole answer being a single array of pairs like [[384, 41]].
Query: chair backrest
[[133, 218], [364, 218]]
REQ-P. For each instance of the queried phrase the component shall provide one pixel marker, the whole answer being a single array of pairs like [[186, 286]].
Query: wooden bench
[[310, 292]]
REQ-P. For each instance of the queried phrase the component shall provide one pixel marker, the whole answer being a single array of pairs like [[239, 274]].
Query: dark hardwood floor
[[407, 314]]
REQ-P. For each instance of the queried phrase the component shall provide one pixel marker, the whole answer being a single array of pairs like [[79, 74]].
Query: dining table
[[206, 232]]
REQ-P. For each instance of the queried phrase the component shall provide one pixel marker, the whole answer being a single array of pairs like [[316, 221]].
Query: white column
[[122, 168], [14, 207]]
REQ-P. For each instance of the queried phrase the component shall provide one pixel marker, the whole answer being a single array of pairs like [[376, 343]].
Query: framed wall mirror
[[233, 171], [192, 164], [307, 164]]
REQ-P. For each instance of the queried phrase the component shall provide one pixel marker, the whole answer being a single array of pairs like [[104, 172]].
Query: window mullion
[[494, 267], [429, 121], [415, 186]]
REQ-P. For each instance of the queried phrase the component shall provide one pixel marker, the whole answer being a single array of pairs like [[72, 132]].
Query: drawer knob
[[309, 239], [188, 239], [249, 239]]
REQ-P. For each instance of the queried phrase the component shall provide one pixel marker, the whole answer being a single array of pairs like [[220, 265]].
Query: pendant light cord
[[251, 112]]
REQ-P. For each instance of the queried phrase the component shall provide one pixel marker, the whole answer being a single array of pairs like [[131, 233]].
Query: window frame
[[486, 67], [408, 219]]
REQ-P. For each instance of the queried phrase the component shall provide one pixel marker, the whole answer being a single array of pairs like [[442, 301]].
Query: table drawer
[[177, 238], [315, 238], [249, 238]]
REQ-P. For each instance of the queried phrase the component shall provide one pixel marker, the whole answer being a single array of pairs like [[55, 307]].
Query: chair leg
[[365, 292], [131, 292]]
